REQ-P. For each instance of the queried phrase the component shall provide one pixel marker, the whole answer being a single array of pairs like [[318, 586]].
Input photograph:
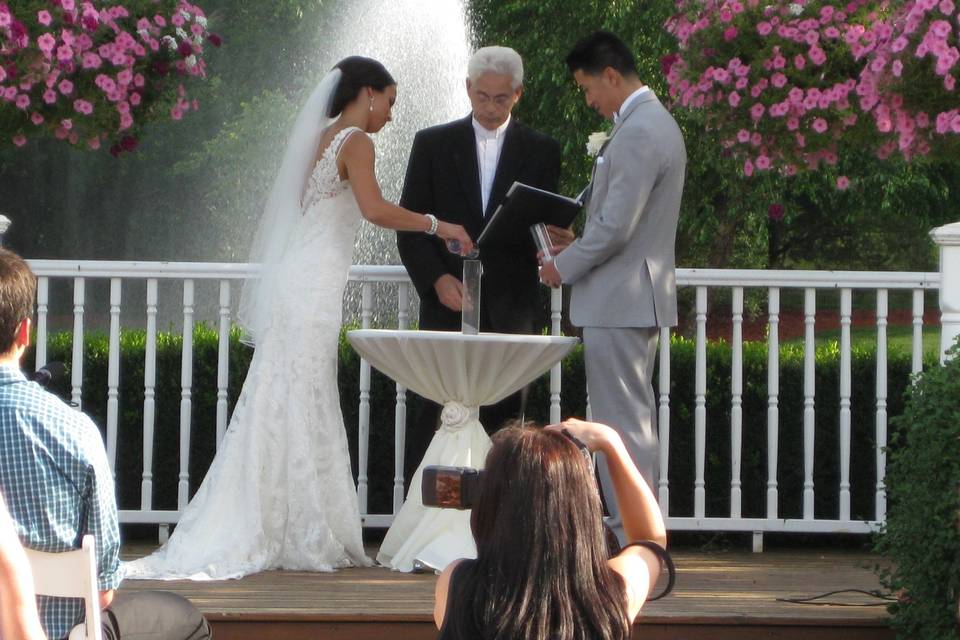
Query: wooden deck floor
[[718, 595]]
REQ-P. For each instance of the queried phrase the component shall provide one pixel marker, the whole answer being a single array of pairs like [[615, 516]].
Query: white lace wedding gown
[[280, 493]]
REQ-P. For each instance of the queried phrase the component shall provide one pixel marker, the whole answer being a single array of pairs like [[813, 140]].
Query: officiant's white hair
[[496, 60]]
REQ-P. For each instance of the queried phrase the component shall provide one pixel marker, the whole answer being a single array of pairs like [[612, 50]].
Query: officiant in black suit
[[460, 172]]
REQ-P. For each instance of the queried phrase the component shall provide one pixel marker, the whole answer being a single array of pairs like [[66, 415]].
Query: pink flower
[[159, 20], [756, 111], [733, 99], [778, 80], [68, 5], [820, 125], [743, 136], [896, 68], [135, 98], [946, 7], [949, 82], [64, 53], [49, 96], [82, 107], [46, 42], [176, 19], [19, 140], [790, 170], [831, 32], [176, 113], [729, 34], [36, 118], [817, 55], [66, 87], [67, 124], [764, 28], [799, 62], [793, 124], [843, 182], [748, 168], [93, 143], [756, 138], [91, 61], [43, 17], [763, 162], [23, 101]]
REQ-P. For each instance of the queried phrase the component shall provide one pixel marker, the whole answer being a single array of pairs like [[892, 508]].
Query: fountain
[[424, 45]]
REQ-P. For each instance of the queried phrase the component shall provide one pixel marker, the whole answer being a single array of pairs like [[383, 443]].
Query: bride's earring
[[371, 103]]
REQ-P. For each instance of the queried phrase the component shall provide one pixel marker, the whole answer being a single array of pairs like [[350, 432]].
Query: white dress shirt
[[633, 96], [489, 145]]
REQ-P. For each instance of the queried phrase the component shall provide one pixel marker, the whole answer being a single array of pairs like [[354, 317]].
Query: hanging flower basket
[[784, 83], [93, 73]]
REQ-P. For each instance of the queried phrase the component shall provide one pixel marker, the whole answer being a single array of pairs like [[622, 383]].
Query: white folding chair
[[71, 574]]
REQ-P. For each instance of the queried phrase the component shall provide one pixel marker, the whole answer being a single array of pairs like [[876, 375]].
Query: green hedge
[[922, 536], [383, 393]]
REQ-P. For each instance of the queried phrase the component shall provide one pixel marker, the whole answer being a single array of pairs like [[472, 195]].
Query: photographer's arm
[[440, 593], [639, 510]]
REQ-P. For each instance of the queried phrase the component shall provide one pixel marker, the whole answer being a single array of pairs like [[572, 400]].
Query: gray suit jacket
[[622, 268]]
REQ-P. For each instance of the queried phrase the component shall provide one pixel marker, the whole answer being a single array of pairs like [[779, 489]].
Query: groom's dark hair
[[599, 50], [357, 73]]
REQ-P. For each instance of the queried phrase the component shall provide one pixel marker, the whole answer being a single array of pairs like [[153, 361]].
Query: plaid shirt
[[57, 483]]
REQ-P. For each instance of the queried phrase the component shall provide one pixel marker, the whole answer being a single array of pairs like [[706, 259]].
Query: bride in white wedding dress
[[280, 493]]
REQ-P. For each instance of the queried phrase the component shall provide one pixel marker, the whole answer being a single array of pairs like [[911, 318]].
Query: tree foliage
[[881, 222]]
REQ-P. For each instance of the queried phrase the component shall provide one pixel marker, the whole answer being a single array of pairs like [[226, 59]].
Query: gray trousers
[[619, 364]]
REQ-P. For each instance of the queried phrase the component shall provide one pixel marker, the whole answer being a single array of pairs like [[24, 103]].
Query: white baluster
[[556, 372], [916, 363], [149, 394], [736, 404], [186, 396], [43, 301], [663, 423], [400, 413], [881, 499], [223, 360], [76, 367], [809, 395], [700, 412], [113, 373], [846, 304], [773, 401], [363, 429]]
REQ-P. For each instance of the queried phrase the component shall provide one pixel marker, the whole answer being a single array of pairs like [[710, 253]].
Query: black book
[[524, 207]]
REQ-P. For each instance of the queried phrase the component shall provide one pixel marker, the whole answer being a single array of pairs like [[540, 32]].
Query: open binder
[[524, 207]]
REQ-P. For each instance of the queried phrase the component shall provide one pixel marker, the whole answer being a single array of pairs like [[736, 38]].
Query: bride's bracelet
[[432, 231]]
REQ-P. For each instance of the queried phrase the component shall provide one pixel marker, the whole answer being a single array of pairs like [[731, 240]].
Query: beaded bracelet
[[432, 231]]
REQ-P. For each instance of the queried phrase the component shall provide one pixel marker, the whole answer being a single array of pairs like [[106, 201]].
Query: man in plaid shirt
[[58, 485]]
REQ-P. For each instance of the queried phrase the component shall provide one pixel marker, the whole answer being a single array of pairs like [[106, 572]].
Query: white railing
[[226, 278]]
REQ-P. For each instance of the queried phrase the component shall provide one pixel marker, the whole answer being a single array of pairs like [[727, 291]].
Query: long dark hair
[[358, 73], [541, 570]]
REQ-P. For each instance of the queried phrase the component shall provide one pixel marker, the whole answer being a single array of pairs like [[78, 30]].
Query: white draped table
[[461, 372]]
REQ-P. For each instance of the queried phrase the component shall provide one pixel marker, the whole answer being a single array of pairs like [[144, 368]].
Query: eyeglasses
[[499, 100]]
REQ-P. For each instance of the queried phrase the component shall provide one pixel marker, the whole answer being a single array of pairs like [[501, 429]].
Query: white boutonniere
[[595, 142]]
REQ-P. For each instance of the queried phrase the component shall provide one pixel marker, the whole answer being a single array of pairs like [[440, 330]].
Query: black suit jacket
[[443, 178]]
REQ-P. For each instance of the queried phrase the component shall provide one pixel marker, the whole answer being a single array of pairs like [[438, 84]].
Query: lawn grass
[[899, 337]]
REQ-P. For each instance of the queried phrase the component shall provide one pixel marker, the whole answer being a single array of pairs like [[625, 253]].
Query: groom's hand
[[550, 276], [449, 291]]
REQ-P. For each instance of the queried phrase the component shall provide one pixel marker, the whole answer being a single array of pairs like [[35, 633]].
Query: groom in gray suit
[[622, 268]]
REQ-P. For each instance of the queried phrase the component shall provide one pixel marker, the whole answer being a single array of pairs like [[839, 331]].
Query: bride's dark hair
[[541, 570], [357, 73]]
